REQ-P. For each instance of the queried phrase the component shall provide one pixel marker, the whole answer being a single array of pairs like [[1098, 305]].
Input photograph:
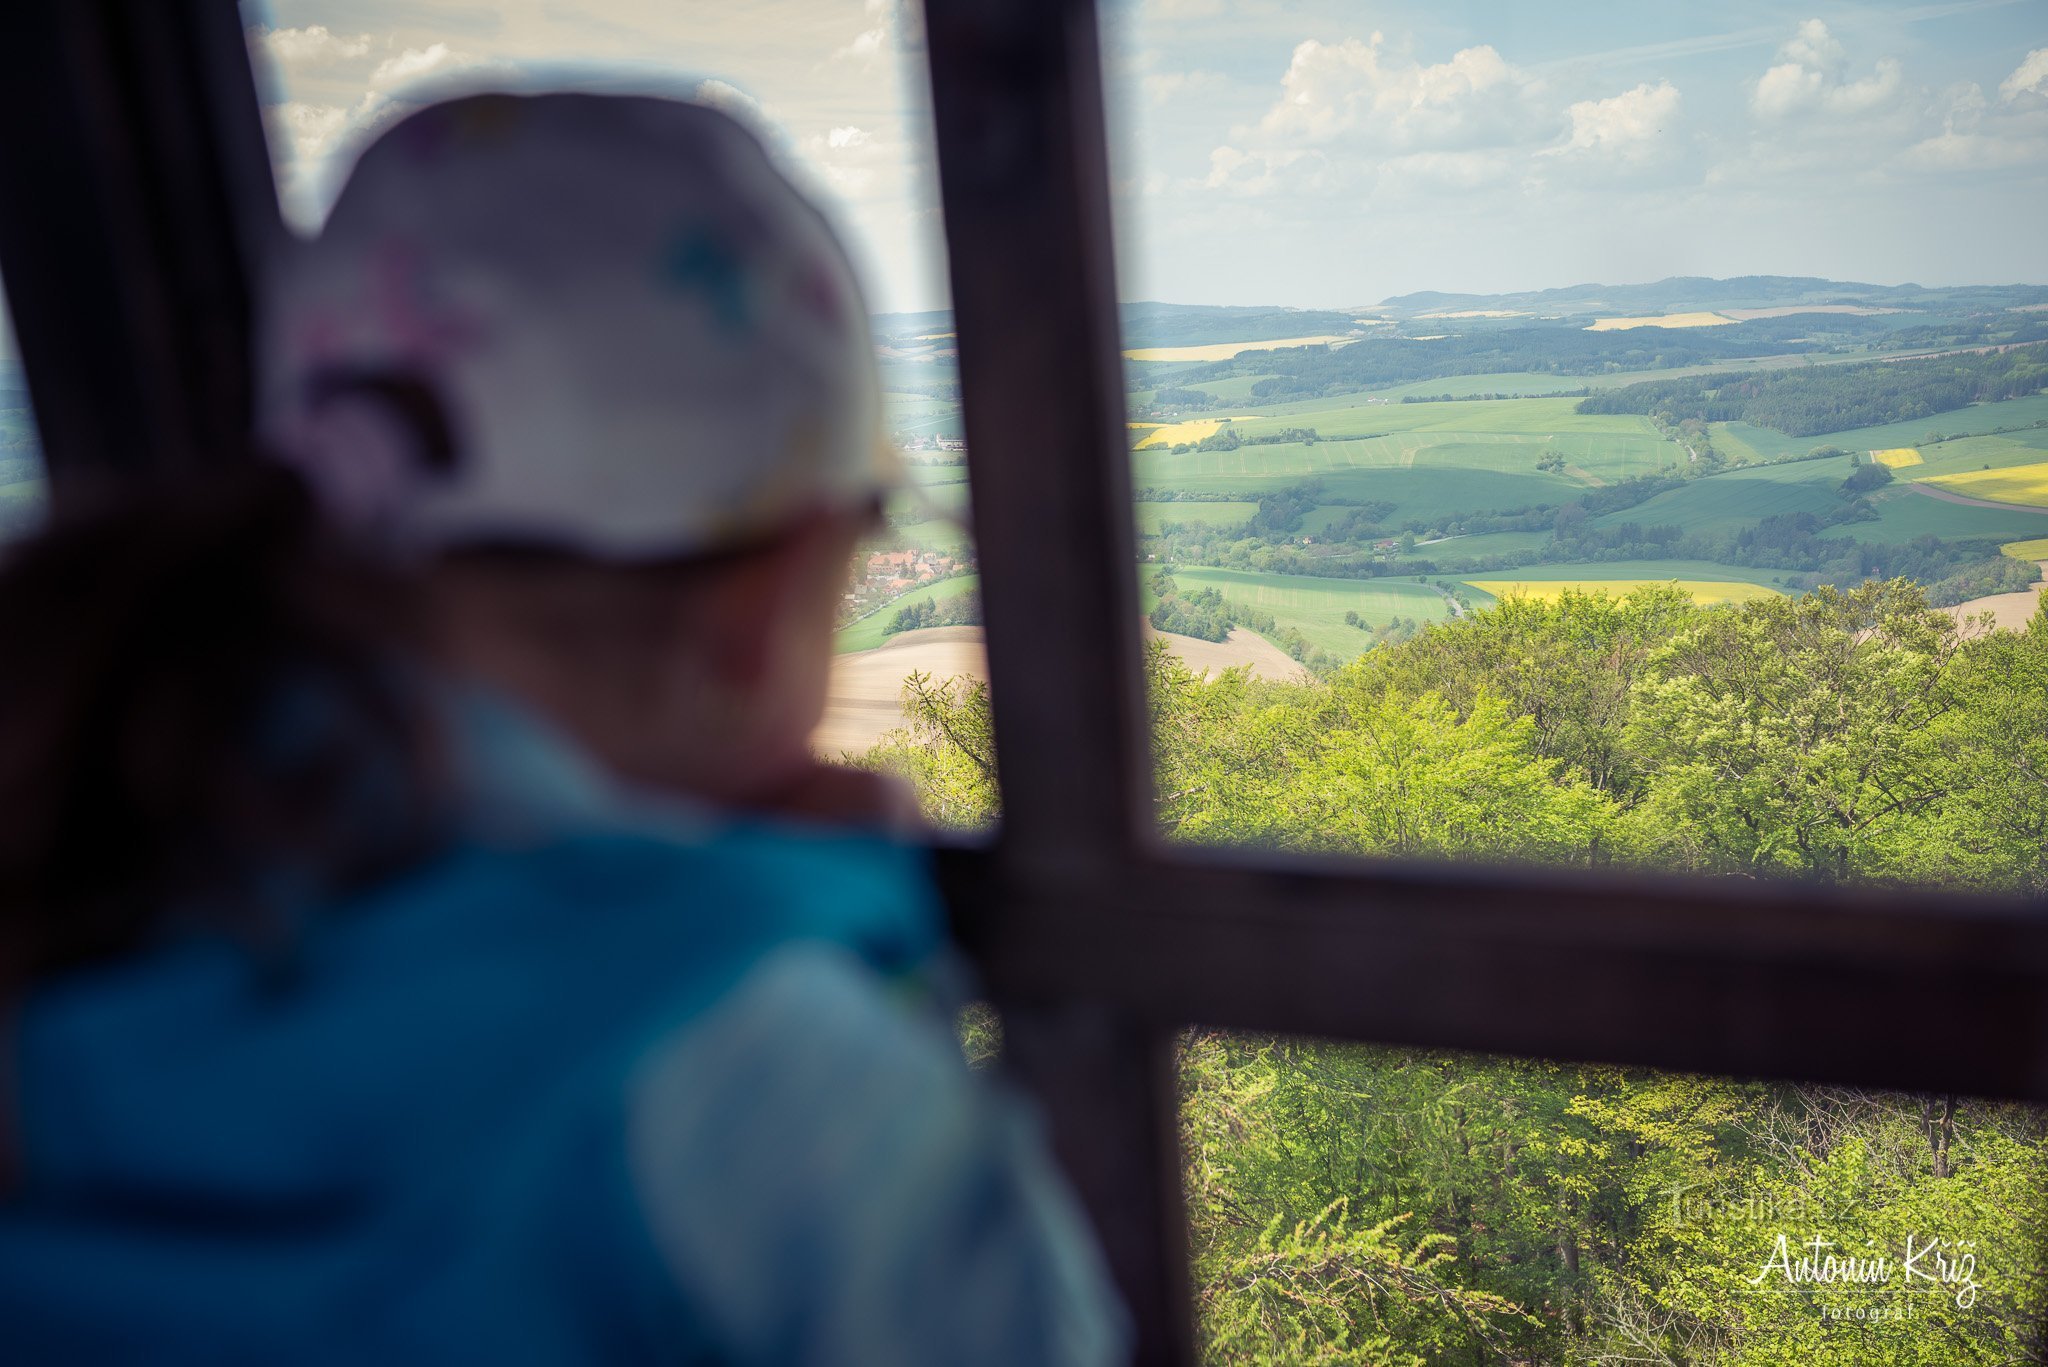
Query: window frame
[[152, 203]]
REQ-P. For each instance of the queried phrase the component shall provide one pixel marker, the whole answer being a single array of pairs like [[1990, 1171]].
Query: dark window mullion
[[1896, 989], [1017, 102], [132, 206]]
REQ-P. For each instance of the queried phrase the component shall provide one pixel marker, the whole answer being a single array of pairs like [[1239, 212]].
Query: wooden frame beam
[[150, 191], [1018, 106], [1915, 992]]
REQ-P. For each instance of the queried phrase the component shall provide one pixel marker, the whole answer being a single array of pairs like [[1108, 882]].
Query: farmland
[[1707, 592], [1316, 607], [2023, 484], [1302, 496], [1666, 320], [872, 630], [1223, 351]]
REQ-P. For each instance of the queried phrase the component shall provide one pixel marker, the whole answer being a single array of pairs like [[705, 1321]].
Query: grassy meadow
[[1315, 607], [1197, 512]]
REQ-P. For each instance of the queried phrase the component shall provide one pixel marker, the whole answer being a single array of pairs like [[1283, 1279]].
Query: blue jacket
[[604, 1082]]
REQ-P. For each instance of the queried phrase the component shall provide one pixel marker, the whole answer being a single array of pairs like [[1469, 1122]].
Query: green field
[[1199, 512], [1974, 420], [1740, 498], [931, 516], [1903, 515], [1229, 387], [867, 633], [1435, 462], [1528, 382], [1316, 607], [1978, 453], [1465, 549]]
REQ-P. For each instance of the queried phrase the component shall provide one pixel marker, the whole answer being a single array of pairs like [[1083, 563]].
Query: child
[[428, 937]]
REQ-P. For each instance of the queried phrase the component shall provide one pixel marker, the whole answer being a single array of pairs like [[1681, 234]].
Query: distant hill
[[1693, 293], [1149, 324]]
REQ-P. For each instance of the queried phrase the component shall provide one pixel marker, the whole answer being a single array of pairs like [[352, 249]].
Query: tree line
[[1835, 398], [1359, 1204]]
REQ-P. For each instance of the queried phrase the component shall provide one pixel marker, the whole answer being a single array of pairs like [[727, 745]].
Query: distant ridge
[[1155, 323], [1689, 293]]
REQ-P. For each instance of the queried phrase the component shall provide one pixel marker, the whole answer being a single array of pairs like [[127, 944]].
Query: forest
[[1372, 362], [1817, 399], [1361, 1204]]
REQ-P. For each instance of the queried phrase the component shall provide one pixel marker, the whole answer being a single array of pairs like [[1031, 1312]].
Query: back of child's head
[[595, 324], [573, 394], [586, 359]]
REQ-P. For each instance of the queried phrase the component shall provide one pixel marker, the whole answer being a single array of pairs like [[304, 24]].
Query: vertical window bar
[[1023, 174]]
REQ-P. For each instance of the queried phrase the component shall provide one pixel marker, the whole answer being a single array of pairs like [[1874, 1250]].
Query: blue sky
[[1308, 153], [1322, 154]]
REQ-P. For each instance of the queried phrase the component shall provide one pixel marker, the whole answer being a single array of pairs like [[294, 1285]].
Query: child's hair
[[206, 716]]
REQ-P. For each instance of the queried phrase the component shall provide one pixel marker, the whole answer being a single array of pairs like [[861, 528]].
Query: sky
[[1316, 154]]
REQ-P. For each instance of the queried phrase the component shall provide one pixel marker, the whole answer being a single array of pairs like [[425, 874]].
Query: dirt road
[[864, 701]]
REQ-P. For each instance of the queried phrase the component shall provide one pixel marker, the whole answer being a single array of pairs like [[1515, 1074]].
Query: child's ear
[[736, 626]]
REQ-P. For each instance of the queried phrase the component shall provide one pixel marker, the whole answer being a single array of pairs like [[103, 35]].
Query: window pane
[[1723, 564], [1352, 1203], [21, 452], [837, 90]]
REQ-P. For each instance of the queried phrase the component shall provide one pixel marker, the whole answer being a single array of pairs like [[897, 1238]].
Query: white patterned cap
[[601, 323]]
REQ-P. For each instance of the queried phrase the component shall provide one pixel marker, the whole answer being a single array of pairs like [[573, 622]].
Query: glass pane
[[837, 90], [1582, 458], [1721, 563], [1350, 1203], [21, 453]]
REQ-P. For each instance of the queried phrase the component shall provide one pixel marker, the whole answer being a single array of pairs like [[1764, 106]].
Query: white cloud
[[309, 130], [1357, 91], [1871, 92], [1808, 78], [1784, 88], [2029, 78], [1258, 172], [1961, 151], [1812, 46], [1629, 126], [857, 164], [288, 46], [887, 25], [1975, 136], [413, 63]]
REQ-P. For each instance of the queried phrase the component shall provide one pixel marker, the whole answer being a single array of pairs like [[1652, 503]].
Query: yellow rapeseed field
[[1704, 591], [1897, 456], [2026, 484], [1667, 320], [2037, 549], [1174, 433], [1222, 351]]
